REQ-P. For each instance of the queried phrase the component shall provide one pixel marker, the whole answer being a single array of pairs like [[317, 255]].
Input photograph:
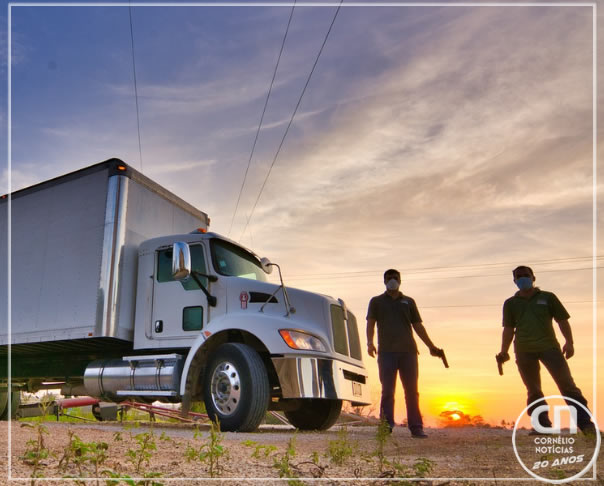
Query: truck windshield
[[233, 261]]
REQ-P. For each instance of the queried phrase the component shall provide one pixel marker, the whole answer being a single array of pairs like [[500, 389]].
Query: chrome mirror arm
[[288, 308]]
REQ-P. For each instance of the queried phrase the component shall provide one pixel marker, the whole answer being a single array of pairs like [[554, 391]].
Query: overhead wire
[[138, 123], [292, 118], [447, 277], [291, 14], [416, 270]]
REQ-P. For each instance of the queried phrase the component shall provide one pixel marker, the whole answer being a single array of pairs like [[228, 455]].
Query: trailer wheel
[[96, 412], [236, 388], [9, 403], [315, 414]]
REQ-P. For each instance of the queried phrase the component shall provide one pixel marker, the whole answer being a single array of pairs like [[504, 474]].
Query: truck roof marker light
[[201, 230], [121, 167]]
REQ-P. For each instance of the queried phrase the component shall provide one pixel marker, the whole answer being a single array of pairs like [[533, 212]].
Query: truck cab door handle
[[159, 326]]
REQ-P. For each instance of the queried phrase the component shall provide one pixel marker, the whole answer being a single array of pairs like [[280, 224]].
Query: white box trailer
[[118, 291], [74, 245]]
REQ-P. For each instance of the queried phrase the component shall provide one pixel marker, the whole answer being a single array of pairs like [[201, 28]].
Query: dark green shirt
[[394, 318], [532, 320]]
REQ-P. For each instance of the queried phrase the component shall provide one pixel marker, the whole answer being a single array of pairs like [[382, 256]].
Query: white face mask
[[392, 284]]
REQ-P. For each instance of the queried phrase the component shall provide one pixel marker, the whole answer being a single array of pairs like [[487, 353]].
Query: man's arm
[[568, 350], [423, 335], [370, 332], [506, 339]]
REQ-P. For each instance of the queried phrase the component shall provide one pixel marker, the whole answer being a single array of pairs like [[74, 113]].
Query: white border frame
[[594, 7]]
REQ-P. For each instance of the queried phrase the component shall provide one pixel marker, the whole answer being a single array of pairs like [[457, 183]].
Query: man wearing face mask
[[527, 320], [396, 316]]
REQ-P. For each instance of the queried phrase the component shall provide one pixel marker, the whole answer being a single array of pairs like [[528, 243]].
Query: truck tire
[[9, 404], [236, 388], [315, 414]]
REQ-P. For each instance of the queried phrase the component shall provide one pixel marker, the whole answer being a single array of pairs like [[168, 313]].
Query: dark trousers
[[554, 361], [405, 364]]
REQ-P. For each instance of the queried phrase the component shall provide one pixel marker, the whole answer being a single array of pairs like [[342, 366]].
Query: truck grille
[[345, 333]]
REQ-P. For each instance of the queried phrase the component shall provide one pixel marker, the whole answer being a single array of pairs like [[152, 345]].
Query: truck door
[[179, 307]]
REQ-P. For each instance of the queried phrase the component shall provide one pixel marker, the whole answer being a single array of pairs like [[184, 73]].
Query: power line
[[292, 118], [339, 277], [497, 305], [262, 116], [138, 123], [453, 267]]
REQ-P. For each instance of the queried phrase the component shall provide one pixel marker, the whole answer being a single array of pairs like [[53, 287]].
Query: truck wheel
[[315, 414], [235, 388], [9, 403]]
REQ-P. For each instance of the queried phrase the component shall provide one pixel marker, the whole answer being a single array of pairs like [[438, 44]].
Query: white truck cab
[[178, 318]]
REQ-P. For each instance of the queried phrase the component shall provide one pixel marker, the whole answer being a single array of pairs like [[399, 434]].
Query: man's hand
[[439, 353], [568, 350], [371, 350], [501, 358]]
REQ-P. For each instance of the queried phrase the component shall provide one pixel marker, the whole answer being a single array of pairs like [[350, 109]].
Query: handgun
[[440, 353], [501, 358]]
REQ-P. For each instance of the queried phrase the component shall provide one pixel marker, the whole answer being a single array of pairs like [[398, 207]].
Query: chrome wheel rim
[[226, 388]]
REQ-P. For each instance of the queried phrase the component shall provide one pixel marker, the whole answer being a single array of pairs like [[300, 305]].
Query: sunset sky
[[450, 142]]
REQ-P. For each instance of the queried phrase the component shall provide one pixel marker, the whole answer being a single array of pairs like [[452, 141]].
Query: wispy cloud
[[464, 137], [180, 166]]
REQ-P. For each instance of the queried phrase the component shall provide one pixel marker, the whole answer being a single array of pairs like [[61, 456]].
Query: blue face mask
[[524, 283]]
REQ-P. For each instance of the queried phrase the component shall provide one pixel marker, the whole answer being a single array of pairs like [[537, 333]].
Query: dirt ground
[[483, 456]]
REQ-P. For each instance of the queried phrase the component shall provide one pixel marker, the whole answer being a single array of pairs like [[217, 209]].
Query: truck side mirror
[[181, 261], [266, 265]]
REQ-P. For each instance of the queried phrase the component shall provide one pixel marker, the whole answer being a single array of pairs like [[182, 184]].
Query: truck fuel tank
[[156, 377]]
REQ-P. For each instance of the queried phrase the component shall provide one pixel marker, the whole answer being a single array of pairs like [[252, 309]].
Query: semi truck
[[115, 289]]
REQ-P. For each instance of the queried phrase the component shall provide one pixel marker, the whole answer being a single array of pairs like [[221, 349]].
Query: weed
[[285, 467], [117, 436], [423, 466], [558, 474], [381, 436], [211, 452], [117, 478], [138, 457], [82, 454], [36, 451], [341, 449], [260, 450], [142, 455], [420, 468]]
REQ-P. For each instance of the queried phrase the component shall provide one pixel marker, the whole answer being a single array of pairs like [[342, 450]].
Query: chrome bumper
[[305, 377]]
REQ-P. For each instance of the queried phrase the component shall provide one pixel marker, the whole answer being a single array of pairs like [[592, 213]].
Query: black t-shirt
[[394, 322]]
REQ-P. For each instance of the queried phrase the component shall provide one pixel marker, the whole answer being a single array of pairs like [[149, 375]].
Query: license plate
[[357, 389]]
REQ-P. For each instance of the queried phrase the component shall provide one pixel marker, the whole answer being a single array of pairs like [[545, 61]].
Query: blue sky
[[450, 142]]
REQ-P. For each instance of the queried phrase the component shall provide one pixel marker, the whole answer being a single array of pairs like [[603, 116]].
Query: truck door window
[[164, 267], [192, 318]]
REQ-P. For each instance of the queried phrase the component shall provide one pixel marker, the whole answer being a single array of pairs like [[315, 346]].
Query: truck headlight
[[301, 340]]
